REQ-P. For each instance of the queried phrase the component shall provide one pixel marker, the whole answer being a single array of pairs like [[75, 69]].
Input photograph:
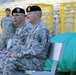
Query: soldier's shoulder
[[42, 26], [28, 26], [42, 29], [3, 18], [11, 17]]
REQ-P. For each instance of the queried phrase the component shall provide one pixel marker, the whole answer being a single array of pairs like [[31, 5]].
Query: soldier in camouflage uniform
[[32, 56], [19, 39], [8, 29]]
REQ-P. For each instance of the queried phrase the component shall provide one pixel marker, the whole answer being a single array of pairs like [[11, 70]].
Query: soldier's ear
[[37, 15]]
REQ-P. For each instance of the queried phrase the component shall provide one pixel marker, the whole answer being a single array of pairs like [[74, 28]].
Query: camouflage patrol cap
[[33, 8], [7, 9], [18, 10]]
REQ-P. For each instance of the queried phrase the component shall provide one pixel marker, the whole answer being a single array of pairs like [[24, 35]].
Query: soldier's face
[[7, 13], [18, 18], [32, 16]]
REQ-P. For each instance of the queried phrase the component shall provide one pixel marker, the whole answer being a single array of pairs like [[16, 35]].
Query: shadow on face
[[18, 18], [7, 13]]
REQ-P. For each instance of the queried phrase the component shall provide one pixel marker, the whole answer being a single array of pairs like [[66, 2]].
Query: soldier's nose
[[14, 17]]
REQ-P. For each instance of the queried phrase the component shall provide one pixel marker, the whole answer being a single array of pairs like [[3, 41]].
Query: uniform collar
[[34, 28]]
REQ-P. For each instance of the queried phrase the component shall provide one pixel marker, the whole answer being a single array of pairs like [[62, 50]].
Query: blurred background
[[58, 15]]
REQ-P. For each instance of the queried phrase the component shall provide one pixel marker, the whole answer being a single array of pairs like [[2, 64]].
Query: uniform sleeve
[[19, 44], [38, 46]]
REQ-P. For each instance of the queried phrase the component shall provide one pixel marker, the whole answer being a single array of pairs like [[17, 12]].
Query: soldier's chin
[[15, 22]]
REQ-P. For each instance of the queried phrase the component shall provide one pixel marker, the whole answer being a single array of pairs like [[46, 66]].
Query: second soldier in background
[[8, 29]]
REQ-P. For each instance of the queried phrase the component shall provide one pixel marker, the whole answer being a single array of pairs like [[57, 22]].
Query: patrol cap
[[18, 10], [33, 8], [7, 9]]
